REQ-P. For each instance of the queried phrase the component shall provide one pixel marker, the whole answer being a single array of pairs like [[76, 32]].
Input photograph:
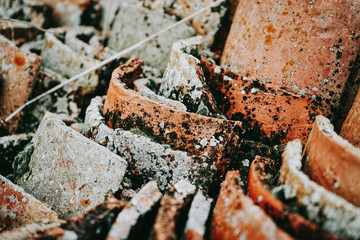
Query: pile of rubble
[[188, 136]]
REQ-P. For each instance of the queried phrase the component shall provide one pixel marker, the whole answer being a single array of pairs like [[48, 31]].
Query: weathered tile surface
[[174, 206], [133, 16], [18, 71], [132, 221], [18, 208], [68, 171]]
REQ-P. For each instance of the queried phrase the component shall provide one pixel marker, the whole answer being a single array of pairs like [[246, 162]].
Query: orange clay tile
[[18, 71], [190, 132], [308, 48], [293, 223], [351, 127], [332, 162], [235, 215], [273, 115], [19, 208]]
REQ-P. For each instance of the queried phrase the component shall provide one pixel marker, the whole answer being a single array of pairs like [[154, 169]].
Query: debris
[[235, 216], [341, 164], [19, 208], [137, 215], [351, 127], [259, 187], [198, 216], [147, 159], [270, 114], [333, 213], [68, 171], [184, 81], [146, 22], [296, 45], [174, 207], [62, 59], [18, 71], [127, 109]]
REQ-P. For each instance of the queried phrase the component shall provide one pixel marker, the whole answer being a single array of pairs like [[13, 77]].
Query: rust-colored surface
[[18, 71], [293, 223], [190, 132], [308, 48], [332, 162], [19, 208], [236, 217], [351, 128], [271, 114]]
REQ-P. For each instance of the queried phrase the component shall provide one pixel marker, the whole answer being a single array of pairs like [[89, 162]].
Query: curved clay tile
[[190, 132], [294, 223], [323, 207], [271, 114], [351, 127], [332, 161], [235, 215], [184, 80], [308, 48]]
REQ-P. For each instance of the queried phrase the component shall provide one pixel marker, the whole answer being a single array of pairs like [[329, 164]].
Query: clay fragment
[[199, 213], [330, 211], [235, 215], [262, 172], [68, 171], [351, 127], [308, 49], [174, 206], [196, 134], [333, 162], [18, 70], [19, 208], [136, 218], [184, 81], [272, 115]]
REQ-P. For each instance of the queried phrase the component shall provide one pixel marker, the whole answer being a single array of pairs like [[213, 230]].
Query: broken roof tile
[[235, 215], [146, 22], [68, 171], [132, 221], [306, 48], [18, 208], [333, 162], [184, 81], [174, 207], [18, 71], [333, 213]]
